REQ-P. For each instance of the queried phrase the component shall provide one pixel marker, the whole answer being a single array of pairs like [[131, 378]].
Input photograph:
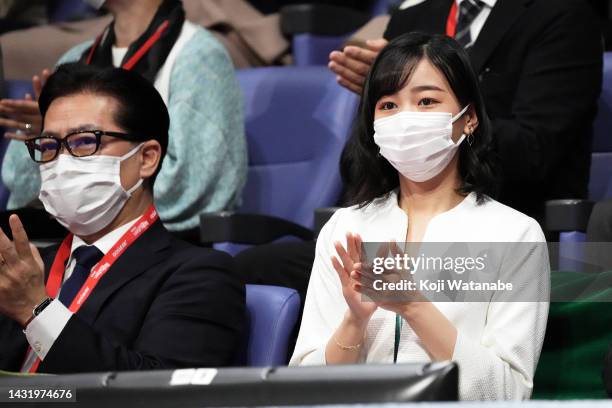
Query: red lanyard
[[56, 275], [451, 21], [139, 53]]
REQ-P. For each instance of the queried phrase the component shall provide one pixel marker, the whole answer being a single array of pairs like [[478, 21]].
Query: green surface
[[577, 337]]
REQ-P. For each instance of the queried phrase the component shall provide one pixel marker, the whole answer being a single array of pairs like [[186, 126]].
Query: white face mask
[[418, 144], [97, 4], [84, 194]]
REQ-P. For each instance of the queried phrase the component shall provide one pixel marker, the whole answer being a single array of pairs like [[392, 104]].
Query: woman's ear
[[471, 121], [151, 157]]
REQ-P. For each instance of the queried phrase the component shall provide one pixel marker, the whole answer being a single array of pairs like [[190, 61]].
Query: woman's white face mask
[[418, 144]]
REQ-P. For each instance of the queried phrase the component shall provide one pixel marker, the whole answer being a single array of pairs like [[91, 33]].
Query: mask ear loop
[[460, 114], [127, 156]]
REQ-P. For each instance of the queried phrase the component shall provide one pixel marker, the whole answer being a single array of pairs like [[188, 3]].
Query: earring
[[470, 136]]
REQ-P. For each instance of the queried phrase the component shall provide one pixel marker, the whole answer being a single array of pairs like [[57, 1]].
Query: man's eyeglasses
[[83, 143]]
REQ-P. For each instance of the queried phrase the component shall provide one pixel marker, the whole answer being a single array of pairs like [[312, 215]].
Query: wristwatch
[[38, 310]]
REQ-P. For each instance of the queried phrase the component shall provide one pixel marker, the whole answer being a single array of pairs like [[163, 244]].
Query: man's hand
[[352, 64], [23, 115], [22, 284]]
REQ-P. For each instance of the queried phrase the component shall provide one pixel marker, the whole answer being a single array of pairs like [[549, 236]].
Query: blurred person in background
[[251, 38], [205, 168]]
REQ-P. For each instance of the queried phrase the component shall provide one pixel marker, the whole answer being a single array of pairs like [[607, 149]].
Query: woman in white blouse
[[418, 169]]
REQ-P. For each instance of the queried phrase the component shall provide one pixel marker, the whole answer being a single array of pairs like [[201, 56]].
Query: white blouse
[[498, 343]]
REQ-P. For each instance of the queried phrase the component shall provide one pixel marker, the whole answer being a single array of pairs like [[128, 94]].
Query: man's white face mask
[[85, 194]]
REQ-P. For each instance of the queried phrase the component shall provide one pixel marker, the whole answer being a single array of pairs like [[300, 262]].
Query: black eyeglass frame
[[63, 142]]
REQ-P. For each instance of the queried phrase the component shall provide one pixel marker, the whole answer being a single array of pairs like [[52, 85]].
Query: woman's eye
[[426, 102], [387, 106]]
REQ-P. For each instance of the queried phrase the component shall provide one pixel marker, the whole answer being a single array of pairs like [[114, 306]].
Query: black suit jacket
[[540, 67], [163, 304]]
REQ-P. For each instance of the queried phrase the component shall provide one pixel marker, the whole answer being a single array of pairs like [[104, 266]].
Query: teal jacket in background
[[205, 166]]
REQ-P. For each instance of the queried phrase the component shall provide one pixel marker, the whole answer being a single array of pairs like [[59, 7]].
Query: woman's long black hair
[[368, 176]]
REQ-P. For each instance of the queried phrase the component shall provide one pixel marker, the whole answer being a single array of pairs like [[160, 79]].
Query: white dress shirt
[[118, 54], [498, 344], [45, 328], [478, 22]]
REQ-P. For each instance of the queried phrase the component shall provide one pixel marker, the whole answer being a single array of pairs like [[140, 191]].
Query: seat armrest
[[320, 19], [249, 229], [568, 215]]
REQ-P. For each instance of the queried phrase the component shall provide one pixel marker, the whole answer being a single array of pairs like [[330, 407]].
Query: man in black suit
[[120, 293], [540, 67]]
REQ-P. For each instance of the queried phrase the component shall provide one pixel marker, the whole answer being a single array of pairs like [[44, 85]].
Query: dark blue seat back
[[600, 184], [312, 49], [600, 181], [297, 122], [68, 10], [272, 313]]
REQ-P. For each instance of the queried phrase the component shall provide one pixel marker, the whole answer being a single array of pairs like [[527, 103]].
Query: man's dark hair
[[141, 111], [367, 175]]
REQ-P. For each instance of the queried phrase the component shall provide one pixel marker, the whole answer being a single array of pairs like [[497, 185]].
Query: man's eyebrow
[[80, 128], [48, 133]]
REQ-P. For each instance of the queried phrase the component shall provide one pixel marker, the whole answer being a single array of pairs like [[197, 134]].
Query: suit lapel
[[503, 15], [148, 250]]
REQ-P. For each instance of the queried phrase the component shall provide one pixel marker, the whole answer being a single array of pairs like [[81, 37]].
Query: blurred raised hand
[[22, 116], [352, 64]]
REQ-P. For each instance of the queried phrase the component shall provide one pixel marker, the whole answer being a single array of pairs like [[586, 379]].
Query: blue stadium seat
[[297, 122], [313, 45], [600, 182], [272, 315], [312, 49], [68, 10], [17, 89]]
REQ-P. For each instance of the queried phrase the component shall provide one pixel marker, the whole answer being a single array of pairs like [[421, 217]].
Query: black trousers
[[285, 264]]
